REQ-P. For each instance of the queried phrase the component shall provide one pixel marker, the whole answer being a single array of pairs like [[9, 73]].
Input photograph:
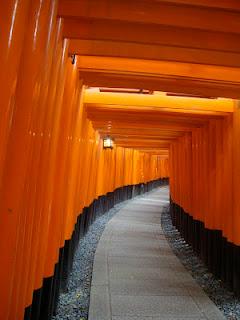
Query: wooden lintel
[[148, 34], [170, 14]]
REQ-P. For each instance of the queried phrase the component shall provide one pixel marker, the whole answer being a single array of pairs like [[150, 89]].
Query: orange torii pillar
[[55, 176], [204, 184]]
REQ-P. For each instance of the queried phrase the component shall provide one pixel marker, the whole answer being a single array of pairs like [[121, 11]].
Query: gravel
[[214, 288], [74, 303]]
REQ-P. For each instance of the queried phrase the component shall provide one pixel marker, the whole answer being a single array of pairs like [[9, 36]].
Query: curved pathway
[[136, 276]]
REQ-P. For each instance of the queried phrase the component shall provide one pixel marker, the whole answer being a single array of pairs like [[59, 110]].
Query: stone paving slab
[[143, 262], [100, 300], [157, 318], [168, 306], [147, 287], [136, 276]]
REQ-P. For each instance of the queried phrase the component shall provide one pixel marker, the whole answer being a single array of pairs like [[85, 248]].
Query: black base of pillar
[[28, 313], [36, 304], [45, 299], [236, 270], [220, 256]]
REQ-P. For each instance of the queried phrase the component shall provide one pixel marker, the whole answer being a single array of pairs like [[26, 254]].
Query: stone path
[[136, 276]]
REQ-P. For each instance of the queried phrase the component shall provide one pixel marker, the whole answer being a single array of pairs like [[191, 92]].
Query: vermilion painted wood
[[52, 163]]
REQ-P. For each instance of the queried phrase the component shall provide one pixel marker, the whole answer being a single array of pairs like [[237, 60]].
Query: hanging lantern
[[107, 143]]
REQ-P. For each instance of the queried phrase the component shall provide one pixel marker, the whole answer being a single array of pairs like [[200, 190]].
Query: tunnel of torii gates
[[162, 79]]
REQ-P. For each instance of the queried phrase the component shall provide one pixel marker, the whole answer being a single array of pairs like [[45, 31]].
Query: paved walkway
[[136, 276]]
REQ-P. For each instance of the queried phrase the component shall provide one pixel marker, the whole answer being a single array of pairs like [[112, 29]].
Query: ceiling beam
[[107, 30], [146, 142], [159, 110], [153, 68], [206, 80], [160, 150], [142, 140], [153, 52], [140, 144], [147, 118], [224, 4], [146, 135], [138, 125], [169, 14], [155, 102], [158, 83]]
